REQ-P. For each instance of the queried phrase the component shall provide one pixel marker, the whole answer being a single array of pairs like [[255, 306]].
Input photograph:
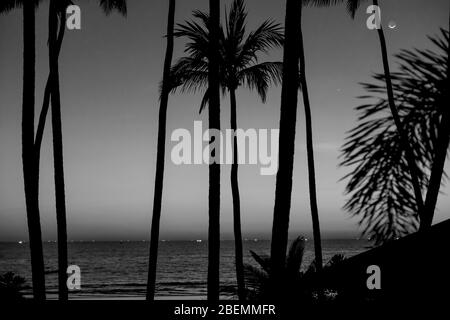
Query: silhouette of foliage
[[11, 286], [380, 187], [297, 282], [238, 63], [239, 50], [8, 5]]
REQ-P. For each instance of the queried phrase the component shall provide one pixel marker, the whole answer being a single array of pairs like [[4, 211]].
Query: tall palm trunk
[[310, 154], [288, 118], [154, 241], [28, 155], [441, 154], [46, 103], [239, 260], [410, 158], [214, 168], [58, 152]]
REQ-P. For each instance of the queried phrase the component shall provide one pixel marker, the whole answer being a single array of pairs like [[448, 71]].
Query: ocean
[[111, 270]]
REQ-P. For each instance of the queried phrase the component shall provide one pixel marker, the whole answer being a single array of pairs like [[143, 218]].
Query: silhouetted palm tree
[[57, 15], [214, 168], [159, 178], [443, 140], [310, 154], [57, 22], [28, 155], [238, 66], [379, 184], [352, 7], [288, 119]]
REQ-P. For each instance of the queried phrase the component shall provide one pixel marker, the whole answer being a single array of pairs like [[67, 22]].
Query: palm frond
[[295, 256], [259, 77], [236, 21], [335, 260], [263, 261], [256, 281], [379, 184], [267, 36], [8, 5], [189, 74], [108, 6], [351, 5], [197, 34]]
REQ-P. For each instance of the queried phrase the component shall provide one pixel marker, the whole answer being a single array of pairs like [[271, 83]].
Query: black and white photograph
[[224, 159]]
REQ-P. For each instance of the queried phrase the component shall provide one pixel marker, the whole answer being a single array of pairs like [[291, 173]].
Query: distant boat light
[[20, 242]]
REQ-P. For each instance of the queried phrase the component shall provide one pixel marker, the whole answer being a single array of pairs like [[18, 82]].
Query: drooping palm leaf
[[379, 184], [108, 6], [295, 256]]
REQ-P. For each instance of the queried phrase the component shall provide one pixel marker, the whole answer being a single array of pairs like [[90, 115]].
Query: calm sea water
[[119, 269]]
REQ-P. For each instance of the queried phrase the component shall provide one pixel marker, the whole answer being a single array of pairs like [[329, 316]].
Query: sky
[[110, 72]]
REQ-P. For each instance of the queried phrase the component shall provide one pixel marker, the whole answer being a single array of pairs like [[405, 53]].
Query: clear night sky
[[110, 72]]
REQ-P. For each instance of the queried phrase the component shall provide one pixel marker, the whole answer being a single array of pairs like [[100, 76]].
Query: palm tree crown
[[239, 63]]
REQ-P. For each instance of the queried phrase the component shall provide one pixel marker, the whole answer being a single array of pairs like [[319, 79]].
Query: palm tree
[[238, 66], [288, 119], [310, 156], [57, 13], [28, 156], [352, 7], [441, 152], [153, 256], [214, 168], [379, 184]]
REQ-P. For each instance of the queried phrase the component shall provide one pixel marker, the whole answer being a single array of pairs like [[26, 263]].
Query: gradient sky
[[110, 72]]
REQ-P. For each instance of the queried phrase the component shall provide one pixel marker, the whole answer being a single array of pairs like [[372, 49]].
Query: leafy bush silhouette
[[11, 286], [297, 284]]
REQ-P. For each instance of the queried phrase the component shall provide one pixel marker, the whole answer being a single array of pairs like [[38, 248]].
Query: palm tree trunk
[[157, 201], [28, 156], [310, 153], [441, 154], [288, 118], [214, 168], [46, 104], [239, 259], [58, 152], [410, 158]]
